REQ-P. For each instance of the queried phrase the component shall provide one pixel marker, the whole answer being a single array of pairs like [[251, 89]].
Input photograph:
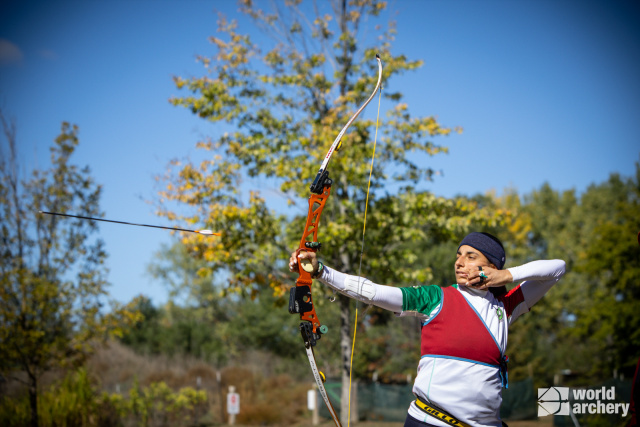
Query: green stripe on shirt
[[421, 299]]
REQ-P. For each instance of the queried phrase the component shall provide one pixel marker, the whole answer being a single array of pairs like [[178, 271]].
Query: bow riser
[[300, 300], [316, 205]]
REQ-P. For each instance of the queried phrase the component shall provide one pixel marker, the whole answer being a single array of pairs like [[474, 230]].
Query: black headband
[[489, 245]]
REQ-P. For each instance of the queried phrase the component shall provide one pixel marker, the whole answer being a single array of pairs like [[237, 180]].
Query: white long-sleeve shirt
[[469, 388]]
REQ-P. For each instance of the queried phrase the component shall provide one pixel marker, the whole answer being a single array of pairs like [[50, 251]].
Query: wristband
[[320, 268]]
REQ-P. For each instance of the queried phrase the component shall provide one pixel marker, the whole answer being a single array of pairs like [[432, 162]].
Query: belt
[[439, 414]]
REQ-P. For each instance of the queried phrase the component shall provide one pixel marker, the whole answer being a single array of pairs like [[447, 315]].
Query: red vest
[[458, 331]]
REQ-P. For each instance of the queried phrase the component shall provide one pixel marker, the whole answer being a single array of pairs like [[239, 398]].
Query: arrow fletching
[[208, 233]]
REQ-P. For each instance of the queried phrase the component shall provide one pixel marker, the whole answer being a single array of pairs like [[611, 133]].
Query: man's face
[[468, 259]]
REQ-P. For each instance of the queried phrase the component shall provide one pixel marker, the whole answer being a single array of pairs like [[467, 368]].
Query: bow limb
[[316, 187]]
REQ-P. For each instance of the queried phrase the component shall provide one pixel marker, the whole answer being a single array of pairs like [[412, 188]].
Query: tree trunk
[[33, 400], [345, 350]]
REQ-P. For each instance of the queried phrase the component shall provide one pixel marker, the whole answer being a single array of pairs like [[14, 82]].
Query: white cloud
[[9, 53]]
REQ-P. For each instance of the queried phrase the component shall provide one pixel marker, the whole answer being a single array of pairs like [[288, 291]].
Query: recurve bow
[[300, 300]]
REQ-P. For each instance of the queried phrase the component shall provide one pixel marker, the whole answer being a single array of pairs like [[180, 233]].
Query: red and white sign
[[233, 403]]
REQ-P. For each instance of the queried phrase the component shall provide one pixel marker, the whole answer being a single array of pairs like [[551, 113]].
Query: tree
[[609, 265], [592, 311], [279, 109], [52, 274]]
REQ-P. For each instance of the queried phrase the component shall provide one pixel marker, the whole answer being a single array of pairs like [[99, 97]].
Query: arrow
[[204, 232]]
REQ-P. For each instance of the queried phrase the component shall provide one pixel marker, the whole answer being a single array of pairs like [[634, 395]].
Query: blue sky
[[546, 91]]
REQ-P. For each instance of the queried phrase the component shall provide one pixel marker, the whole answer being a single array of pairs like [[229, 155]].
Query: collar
[[475, 292]]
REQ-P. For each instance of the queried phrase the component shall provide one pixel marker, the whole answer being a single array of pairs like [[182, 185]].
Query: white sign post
[[312, 405], [233, 405]]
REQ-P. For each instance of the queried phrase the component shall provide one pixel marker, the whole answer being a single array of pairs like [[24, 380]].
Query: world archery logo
[[566, 401], [553, 401]]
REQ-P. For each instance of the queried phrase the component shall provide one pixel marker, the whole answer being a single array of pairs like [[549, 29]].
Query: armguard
[[360, 288]]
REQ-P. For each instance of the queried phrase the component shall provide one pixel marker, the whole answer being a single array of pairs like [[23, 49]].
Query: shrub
[[74, 401]]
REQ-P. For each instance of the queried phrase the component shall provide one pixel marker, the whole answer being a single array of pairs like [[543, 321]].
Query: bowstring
[[364, 228]]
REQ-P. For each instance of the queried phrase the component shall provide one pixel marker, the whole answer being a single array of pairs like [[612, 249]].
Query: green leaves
[[278, 105], [52, 274], [284, 107]]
